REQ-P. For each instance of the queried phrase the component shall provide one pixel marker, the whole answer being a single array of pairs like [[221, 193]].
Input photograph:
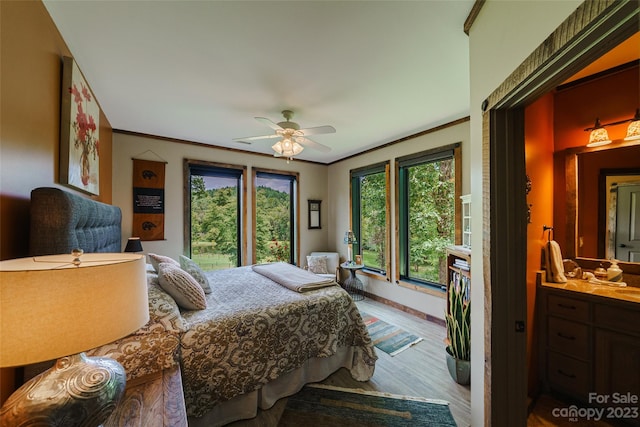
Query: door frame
[[593, 29]]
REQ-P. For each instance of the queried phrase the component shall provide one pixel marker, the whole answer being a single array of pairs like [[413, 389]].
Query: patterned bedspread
[[255, 330]]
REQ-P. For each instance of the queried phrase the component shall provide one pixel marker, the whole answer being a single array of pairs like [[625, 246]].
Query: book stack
[[462, 264]]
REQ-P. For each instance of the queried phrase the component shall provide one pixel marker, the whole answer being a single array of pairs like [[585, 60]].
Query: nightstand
[[153, 400], [352, 284]]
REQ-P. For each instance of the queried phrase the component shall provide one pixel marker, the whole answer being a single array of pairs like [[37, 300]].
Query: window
[[370, 216], [275, 216], [214, 214], [427, 205]]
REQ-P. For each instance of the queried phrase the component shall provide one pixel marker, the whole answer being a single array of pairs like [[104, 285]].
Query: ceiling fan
[[292, 139]]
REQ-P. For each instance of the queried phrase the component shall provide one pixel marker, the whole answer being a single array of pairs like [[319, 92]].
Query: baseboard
[[406, 309]]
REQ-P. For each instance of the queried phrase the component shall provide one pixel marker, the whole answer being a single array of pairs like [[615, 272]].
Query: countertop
[[627, 293]]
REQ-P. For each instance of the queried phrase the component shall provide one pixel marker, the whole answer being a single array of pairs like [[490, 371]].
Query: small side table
[[352, 284]]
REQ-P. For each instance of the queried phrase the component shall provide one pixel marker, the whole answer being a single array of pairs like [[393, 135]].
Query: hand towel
[[553, 261]]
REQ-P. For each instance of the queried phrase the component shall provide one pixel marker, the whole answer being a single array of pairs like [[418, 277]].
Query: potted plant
[[458, 320]]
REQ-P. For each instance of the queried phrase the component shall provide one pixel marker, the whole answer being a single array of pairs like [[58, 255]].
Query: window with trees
[[214, 214], [428, 191], [370, 216], [275, 216]]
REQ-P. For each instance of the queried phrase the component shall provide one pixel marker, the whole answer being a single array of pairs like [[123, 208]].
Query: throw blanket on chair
[[292, 277]]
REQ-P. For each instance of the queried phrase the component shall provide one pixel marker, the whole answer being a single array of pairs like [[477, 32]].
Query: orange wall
[[539, 165], [30, 77], [611, 98]]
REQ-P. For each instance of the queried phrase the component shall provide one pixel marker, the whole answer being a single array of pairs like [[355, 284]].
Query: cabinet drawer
[[569, 307], [568, 337], [569, 374], [622, 319]]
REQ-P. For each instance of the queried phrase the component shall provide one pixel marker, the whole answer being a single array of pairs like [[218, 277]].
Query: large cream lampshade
[[59, 306]]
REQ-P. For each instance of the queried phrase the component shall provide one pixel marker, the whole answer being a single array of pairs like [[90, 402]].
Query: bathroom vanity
[[590, 345]]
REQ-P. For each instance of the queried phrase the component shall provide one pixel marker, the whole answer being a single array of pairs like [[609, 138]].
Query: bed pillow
[[317, 264], [156, 259], [196, 272], [181, 286]]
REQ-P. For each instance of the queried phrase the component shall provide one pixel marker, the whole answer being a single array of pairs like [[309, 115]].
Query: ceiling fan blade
[[312, 144], [255, 138], [318, 130], [269, 123]]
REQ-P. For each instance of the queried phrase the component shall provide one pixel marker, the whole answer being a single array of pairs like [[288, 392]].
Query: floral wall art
[[79, 132]]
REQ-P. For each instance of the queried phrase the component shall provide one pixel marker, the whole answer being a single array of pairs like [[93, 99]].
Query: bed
[[255, 342]]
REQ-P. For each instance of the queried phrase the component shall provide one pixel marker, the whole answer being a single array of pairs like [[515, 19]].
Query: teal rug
[[327, 406], [388, 338]]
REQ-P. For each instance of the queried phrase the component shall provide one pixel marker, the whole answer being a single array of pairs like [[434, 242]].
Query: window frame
[[225, 168], [354, 220], [401, 214], [295, 213]]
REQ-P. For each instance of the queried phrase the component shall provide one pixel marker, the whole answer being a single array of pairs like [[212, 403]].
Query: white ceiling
[[202, 70]]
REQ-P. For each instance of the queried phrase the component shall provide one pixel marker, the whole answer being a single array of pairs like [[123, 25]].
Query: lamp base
[[77, 391]]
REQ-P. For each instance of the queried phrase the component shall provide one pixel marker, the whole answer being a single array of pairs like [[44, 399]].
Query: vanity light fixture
[[633, 131], [599, 135]]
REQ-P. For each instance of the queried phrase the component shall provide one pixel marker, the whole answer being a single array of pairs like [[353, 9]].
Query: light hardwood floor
[[419, 371]]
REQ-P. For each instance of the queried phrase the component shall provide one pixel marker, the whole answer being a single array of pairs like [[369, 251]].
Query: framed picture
[[79, 132], [314, 214]]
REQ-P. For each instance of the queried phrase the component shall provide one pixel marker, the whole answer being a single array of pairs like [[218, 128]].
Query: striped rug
[[321, 405], [388, 338]]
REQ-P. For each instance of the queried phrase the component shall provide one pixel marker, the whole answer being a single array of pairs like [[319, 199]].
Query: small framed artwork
[[314, 214], [79, 132]]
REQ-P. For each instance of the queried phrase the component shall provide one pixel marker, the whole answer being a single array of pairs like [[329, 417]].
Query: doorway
[[624, 205], [582, 38]]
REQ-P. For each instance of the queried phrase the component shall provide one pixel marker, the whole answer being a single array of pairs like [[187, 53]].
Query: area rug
[[388, 338], [327, 406]]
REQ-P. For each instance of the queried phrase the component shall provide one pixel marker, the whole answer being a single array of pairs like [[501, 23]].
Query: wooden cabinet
[[459, 269], [590, 350]]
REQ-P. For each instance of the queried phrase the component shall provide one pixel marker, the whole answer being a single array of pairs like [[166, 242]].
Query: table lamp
[[57, 307], [349, 240], [133, 245]]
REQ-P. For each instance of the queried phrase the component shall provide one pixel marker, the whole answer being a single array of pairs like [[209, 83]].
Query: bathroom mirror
[[603, 201]]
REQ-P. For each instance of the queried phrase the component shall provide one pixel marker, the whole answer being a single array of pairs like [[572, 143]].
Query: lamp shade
[[287, 148], [51, 307], [350, 238], [598, 136], [133, 245], [633, 131]]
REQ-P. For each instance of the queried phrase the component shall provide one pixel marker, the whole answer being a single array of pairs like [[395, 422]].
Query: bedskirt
[[246, 406]]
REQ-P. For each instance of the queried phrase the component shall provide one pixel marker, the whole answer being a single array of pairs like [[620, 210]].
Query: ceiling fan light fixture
[[293, 140], [287, 148]]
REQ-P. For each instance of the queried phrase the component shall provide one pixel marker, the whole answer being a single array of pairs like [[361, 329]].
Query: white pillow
[[156, 259], [194, 270], [317, 264], [184, 289]]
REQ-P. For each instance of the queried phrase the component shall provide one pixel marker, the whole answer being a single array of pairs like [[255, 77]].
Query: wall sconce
[[633, 131], [599, 135]]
